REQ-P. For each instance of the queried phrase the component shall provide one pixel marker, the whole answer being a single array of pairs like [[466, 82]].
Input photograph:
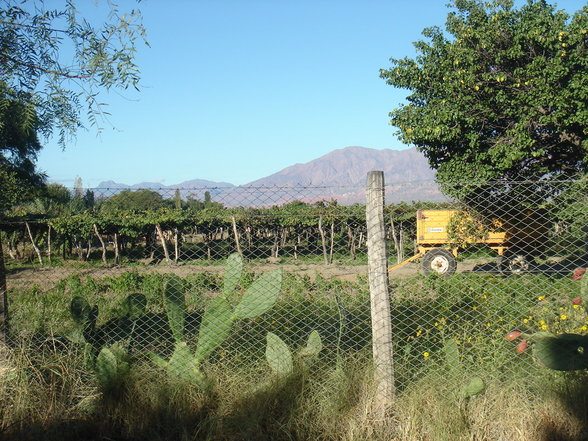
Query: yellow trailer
[[439, 251]]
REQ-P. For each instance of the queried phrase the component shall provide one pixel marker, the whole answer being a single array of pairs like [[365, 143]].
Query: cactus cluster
[[112, 342], [217, 320]]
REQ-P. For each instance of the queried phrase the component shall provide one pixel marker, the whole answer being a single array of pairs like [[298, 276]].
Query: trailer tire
[[439, 261], [513, 263]]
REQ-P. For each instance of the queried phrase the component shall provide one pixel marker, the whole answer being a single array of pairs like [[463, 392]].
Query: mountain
[[194, 188], [194, 183], [340, 174], [349, 167]]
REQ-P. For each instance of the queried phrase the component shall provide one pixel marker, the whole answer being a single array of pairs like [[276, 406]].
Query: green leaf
[[233, 271], [565, 352], [260, 296], [215, 328], [278, 355], [475, 386], [175, 308], [313, 347]]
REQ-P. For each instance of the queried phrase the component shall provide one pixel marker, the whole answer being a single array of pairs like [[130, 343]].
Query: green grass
[[49, 385]]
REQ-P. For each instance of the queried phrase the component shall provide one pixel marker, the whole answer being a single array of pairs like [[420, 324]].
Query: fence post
[[379, 296]]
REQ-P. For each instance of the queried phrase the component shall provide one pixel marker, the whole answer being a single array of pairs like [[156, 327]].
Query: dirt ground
[[46, 277]]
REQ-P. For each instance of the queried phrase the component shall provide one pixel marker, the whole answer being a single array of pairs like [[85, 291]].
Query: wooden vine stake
[[379, 295]]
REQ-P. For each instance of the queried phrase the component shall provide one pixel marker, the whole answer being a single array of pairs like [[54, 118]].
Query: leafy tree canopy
[[54, 66], [500, 94], [140, 200]]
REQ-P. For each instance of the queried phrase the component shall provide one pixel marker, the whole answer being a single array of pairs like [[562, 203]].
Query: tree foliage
[[500, 94], [54, 66]]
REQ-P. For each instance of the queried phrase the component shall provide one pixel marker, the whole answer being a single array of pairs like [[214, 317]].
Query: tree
[[54, 66], [500, 94], [19, 146], [140, 200]]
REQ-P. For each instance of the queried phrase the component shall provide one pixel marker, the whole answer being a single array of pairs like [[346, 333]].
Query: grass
[[48, 388]]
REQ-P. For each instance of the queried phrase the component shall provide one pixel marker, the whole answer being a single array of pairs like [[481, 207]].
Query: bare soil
[[46, 277]]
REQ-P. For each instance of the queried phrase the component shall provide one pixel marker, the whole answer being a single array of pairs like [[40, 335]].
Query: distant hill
[[349, 167], [193, 188], [340, 174]]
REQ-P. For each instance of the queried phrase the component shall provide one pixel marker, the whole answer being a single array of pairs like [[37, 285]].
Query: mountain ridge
[[406, 172]]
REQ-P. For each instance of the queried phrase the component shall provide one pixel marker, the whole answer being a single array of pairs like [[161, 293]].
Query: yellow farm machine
[[439, 249]]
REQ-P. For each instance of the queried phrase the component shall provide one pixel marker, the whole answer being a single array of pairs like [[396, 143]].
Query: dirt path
[[46, 277]]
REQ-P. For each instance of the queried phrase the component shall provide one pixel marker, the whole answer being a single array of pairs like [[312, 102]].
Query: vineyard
[[145, 225], [152, 315]]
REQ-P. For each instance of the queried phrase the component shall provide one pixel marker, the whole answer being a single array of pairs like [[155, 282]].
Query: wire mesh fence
[[216, 286]]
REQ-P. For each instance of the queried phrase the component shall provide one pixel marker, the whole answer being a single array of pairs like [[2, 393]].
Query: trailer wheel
[[440, 261], [514, 263]]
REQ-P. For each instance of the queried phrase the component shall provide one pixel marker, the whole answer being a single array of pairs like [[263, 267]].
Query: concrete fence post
[[379, 295]]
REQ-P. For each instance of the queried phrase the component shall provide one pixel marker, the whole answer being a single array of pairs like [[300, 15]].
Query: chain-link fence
[[239, 288]]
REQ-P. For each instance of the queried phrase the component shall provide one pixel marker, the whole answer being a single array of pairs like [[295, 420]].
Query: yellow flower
[[525, 320], [576, 306], [426, 355], [540, 298], [544, 327], [563, 317]]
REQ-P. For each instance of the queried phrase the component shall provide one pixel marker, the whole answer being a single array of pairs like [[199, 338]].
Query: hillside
[[340, 175], [349, 167]]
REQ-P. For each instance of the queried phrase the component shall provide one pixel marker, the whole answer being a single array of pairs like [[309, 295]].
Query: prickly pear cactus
[[280, 357], [182, 367], [233, 273], [313, 347], [215, 327], [260, 296], [473, 385], [134, 306], [111, 368], [116, 329], [564, 352], [217, 320], [175, 308]]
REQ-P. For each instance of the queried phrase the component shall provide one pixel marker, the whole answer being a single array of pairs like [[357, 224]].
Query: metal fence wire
[[208, 285]]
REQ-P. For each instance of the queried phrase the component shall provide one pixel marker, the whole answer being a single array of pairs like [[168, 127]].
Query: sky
[[235, 90]]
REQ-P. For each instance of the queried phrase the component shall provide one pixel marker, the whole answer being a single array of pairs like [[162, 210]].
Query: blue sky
[[234, 90]]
